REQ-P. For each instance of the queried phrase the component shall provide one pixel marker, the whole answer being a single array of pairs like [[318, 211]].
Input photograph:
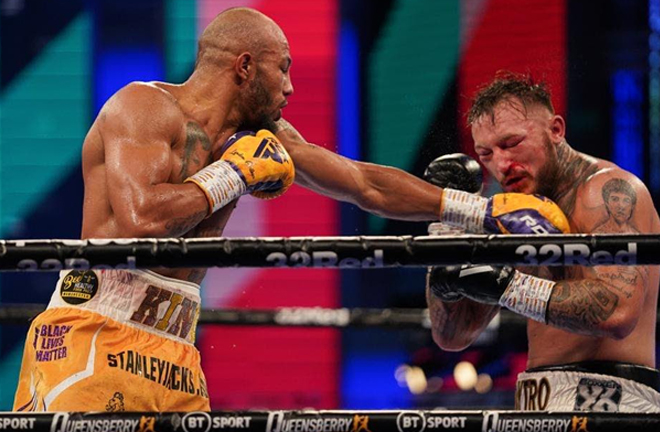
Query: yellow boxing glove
[[506, 213], [257, 164]]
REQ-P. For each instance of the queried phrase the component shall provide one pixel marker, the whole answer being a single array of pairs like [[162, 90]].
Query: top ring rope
[[335, 252]]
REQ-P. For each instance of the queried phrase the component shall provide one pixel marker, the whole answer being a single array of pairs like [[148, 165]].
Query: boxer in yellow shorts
[[171, 160], [112, 339]]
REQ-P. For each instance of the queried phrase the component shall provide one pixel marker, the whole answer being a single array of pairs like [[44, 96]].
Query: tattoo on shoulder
[[195, 136], [581, 304], [620, 200]]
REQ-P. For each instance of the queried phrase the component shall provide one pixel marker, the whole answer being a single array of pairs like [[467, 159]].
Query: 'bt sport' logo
[[202, 422], [414, 421]]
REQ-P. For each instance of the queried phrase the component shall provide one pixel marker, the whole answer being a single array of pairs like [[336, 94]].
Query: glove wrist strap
[[220, 182], [528, 295], [463, 209]]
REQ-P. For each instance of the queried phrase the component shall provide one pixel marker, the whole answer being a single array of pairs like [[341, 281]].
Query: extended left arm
[[384, 191]]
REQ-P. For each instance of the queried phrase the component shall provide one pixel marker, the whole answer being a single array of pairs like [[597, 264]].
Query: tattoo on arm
[[458, 319], [179, 226], [194, 135], [581, 305], [446, 321], [283, 125], [197, 275], [622, 281]]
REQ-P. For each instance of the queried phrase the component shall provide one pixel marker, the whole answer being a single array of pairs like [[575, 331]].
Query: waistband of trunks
[[642, 374], [140, 298]]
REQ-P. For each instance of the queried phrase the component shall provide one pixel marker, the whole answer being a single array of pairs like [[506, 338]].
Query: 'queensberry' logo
[[324, 259], [63, 422], [493, 423], [575, 254], [279, 422]]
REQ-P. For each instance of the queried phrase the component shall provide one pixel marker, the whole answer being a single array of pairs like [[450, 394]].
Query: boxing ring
[[365, 252]]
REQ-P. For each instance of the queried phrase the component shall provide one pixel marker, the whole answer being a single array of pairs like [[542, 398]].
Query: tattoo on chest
[[196, 139]]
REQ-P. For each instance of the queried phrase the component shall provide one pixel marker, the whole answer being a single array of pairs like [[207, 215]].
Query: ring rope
[[331, 252], [392, 318], [287, 317], [332, 421]]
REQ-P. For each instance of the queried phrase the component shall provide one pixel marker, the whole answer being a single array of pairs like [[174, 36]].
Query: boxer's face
[[516, 148], [268, 92], [619, 206]]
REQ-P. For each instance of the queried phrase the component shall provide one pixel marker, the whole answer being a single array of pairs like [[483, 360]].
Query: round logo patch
[[79, 286]]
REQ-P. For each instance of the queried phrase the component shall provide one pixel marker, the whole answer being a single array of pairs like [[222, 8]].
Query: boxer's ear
[[557, 129], [244, 67]]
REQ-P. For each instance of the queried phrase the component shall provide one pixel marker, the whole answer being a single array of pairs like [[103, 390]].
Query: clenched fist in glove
[[252, 163], [522, 293], [455, 171]]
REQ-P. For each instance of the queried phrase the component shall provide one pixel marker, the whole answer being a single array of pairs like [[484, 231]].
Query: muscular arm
[[384, 191], [605, 301], [455, 326], [138, 127]]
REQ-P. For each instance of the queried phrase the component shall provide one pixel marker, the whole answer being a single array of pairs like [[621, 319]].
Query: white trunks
[[589, 386]]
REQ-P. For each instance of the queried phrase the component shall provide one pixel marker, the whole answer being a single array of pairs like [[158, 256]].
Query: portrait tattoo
[[620, 199]]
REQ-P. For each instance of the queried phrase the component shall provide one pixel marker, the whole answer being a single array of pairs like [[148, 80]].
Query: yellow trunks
[[114, 340]]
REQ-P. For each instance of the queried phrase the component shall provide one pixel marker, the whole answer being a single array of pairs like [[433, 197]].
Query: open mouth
[[513, 183]]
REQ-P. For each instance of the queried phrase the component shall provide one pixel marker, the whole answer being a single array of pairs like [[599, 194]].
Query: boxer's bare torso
[[550, 345], [121, 166]]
